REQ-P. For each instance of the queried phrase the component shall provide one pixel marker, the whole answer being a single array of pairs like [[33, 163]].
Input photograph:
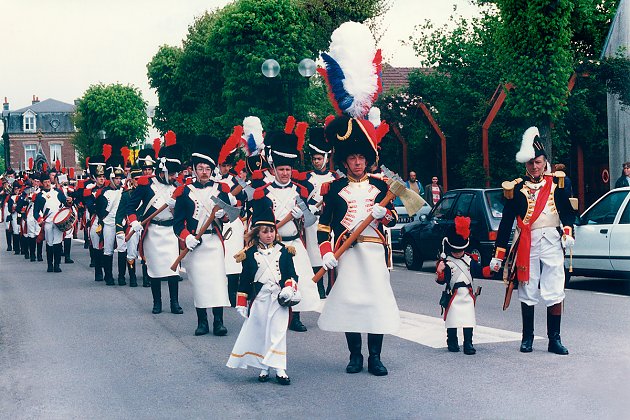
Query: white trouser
[[546, 269], [52, 233], [132, 246], [109, 239]]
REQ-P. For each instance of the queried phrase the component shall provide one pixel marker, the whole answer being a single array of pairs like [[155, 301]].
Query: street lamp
[[102, 134], [271, 68]]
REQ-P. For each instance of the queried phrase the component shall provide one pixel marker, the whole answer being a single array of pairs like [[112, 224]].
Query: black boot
[[553, 330], [232, 288], [92, 253], [145, 276], [67, 245], [202, 322], [451, 340], [468, 344], [49, 258], [356, 358], [32, 244], [86, 240], [131, 267], [527, 341], [108, 262], [320, 285], [122, 266], [40, 248], [57, 258], [173, 290], [375, 366], [156, 291], [16, 244], [26, 250], [217, 325], [296, 324], [9, 240], [23, 248]]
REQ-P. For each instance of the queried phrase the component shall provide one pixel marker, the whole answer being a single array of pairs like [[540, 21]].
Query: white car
[[602, 238]]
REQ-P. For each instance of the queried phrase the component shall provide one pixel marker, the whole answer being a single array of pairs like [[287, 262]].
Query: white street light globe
[[307, 67], [270, 68]]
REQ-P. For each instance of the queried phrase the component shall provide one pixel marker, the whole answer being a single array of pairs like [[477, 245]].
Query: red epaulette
[[81, 184], [323, 190], [298, 176], [260, 192], [107, 183], [179, 191], [189, 180], [224, 187], [302, 190], [87, 192], [474, 257], [258, 174], [99, 192], [144, 180]]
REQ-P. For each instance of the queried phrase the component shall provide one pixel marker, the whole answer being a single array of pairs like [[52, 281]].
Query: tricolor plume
[[240, 165], [352, 69], [289, 125], [253, 135], [107, 151], [374, 116], [157, 144], [124, 151], [231, 143], [170, 138], [300, 132]]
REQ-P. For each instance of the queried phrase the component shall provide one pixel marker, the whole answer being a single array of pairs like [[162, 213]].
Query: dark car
[[422, 239]]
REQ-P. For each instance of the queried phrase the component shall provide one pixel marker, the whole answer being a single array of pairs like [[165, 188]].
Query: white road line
[[429, 331], [610, 294]]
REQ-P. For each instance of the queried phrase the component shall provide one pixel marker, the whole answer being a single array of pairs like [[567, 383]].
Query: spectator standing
[[433, 192], [414, 185], [624, 179]]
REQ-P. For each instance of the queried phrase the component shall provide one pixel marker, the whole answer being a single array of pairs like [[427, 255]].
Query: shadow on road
[[614, 286]]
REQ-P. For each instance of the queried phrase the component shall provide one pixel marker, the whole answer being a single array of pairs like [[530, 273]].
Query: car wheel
[[413, 258]]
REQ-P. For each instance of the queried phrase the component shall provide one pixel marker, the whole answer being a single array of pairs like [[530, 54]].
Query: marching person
[[313, 180], [456, 270], [269, 281], [32, 227], [205, 264], [69, 190], [160, 246], [146, 162], [129, 249], [284, 197], [48, 202], [13, 218], [544, 217], [96, 169]]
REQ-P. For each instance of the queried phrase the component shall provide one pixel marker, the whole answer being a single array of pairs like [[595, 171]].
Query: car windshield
[[495, 203]]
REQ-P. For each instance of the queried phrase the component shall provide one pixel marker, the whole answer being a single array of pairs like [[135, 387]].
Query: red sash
[[525, 238]]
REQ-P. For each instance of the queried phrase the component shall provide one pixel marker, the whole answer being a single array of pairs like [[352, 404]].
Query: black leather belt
[[461, 284], [169, 222], [290, 238]]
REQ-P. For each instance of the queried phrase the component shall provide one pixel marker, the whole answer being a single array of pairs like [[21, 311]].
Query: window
[[29, 122], [625, 217], [444, 207], [496, 203], [55, 153], [605, 211], [30, 150], [462, 208]]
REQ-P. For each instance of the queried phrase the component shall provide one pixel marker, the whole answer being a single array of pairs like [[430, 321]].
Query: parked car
[[602, 238], [422, 239], [403, 220]]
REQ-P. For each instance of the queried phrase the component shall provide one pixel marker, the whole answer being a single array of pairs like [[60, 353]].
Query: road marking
[[609, 294], [429, 331]]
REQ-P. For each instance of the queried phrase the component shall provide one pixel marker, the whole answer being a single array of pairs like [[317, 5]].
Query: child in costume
[[456, 272], [268, 280]]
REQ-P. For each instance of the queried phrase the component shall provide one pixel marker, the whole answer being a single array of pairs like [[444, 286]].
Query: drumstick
[[571, 260]]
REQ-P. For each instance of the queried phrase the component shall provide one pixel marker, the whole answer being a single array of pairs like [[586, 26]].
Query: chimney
[[5, 105], [35, 99]]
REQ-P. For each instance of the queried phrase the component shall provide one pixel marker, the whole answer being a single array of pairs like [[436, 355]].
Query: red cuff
[[325, 248], [241, 299], [131, 218], [567, 230], [183, 234], [500, 253], [290, 283]]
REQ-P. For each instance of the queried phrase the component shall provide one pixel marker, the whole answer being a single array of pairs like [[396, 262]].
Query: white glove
[[120, 241], [242, 311], [286, 293], [192, 242], [329, 261], [170, 202], [495, 264], [297, 297], [297, 212], [378, 211], [136, 226], [219, 214], [567, 241]]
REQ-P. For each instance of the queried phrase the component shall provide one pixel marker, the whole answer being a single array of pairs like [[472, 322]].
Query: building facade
[[44, 127]]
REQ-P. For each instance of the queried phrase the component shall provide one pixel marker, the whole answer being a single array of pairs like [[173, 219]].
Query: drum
[[64, 219]]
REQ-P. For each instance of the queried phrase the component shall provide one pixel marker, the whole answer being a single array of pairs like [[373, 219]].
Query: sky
[[58, 48]]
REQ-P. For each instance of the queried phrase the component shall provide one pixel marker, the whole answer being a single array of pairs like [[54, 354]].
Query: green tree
[[117, 109]]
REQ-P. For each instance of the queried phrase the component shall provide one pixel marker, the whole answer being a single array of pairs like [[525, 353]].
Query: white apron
[[460, 312], [208, 279], [161, 249]]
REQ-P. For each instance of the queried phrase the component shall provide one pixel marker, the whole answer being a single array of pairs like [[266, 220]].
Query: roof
[[398, 77], [47, 105]]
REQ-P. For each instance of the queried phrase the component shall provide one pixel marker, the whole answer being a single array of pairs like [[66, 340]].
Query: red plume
[[63, 170], [462, 226], [170, 138], [300, 132], [57, 165], [107, 151], [381, 131], [44, 167], [379, 71], [124, 151], [71, 173], [156, 146], [87, 162], [240, 165], [290, 124], [30, 164], [231, 143], [328, 120]]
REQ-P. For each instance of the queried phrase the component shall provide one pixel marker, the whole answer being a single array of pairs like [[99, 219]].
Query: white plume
[[353, 47], [374, 116], [527, 151], [253, 126]]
